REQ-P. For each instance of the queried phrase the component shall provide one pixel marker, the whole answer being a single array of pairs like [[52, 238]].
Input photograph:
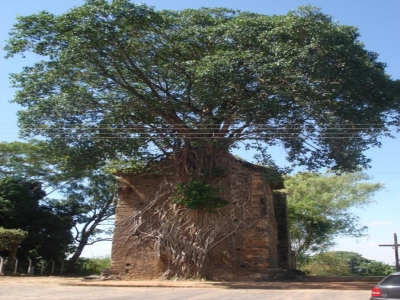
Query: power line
[[217, 125], [292, 131]]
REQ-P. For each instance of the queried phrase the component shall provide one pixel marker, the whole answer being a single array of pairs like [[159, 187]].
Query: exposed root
[[183, 238]]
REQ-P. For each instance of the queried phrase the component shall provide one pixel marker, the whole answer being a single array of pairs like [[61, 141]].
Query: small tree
[[93, 265], [327, 264], [10, 237], [319, 208], [9, 241], [91, 204]]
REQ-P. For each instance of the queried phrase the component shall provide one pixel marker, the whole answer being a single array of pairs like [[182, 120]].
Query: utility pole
[[396, 252]]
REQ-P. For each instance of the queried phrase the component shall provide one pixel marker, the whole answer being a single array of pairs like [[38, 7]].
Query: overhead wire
[[203, 130], [196, 131]]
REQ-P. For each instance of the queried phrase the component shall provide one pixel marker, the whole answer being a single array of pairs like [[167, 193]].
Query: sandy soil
[[60, 280]]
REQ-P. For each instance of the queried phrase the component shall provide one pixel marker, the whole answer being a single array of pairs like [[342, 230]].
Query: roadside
[[285, 285]]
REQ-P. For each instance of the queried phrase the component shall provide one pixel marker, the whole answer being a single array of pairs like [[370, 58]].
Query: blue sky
[[379, 26]]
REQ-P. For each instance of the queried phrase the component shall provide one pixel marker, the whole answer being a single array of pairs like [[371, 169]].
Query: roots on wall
[[181, 239]]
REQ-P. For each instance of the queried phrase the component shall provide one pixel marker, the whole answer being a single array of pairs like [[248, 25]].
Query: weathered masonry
[[246, 240]]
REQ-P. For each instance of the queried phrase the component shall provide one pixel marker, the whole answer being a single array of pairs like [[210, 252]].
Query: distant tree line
[[342, 263]]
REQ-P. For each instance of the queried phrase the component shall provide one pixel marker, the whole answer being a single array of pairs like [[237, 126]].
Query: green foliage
[[93, 266], [126, 165], [119, 79], [319, 208], [21, 159], [48, 226], [90, 204], [19, 199], [27, 167], [11, 236], [327, 264], [198, 195], [341, 263], [36, 161], [360, 266], [375, 268]]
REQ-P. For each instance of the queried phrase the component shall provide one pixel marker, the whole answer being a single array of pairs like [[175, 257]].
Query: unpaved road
[[65, 288], [53, 292]]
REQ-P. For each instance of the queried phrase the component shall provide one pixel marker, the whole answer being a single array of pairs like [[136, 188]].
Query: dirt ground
[[79, 281], [47, 280]]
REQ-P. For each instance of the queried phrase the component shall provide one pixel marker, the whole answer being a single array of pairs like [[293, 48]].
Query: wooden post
[[52, 267], [15, 267], [62, 266], [1, 266], [30, 267], [396, 251]]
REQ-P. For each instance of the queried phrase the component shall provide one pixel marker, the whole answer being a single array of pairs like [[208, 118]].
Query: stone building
[[251, 243]]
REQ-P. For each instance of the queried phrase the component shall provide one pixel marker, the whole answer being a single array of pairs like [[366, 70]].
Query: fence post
[[62, 266], [52, 267], [30, 266], [42, 267], [1, 265], [15, 267]]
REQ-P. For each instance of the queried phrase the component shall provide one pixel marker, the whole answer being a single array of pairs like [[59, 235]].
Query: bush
[[342, 263], [93, 266], [199, 195]]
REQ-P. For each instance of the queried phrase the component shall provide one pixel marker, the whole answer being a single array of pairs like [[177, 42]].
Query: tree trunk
[[201, 161], [72, 261], [11, 257]]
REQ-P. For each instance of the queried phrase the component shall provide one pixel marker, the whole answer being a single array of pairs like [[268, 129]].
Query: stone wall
[[131, 256], [256, 249]]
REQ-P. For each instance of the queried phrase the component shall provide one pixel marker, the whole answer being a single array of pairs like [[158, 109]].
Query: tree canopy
[[35, 160], [22, 160], [319, 208], [48, 227], [8, 237], [86, 208], [122, 79]]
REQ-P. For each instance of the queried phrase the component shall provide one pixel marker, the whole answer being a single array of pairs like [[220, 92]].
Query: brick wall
[[254, 247]]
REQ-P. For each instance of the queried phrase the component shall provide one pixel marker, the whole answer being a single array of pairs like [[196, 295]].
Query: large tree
[[88, 196], [23, 206], [119, 78], [320, 208]]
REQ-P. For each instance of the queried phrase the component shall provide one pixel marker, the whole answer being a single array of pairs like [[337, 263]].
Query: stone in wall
[[252, 244]]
